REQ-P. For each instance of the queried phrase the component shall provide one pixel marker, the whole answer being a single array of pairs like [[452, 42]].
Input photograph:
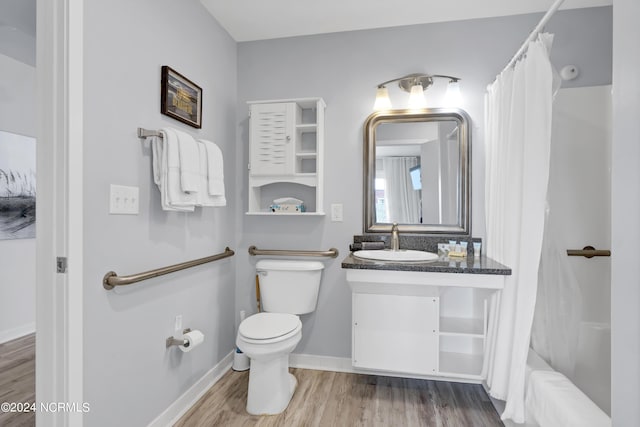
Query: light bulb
[[453, 97], [416, 98], [382, 100]]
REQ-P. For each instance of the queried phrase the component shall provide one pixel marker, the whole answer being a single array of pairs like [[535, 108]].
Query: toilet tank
[[288, 286]]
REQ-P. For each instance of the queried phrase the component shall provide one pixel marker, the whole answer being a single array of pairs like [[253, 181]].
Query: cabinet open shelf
[[307, 154], [462, 326], [306, 127], [462, 365]]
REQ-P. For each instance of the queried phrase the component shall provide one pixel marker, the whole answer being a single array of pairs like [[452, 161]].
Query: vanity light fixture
[[453, 97], [416, 84], [416, 97], [382, 99]]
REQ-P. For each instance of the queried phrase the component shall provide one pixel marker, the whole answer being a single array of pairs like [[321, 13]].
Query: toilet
[[287, 289]]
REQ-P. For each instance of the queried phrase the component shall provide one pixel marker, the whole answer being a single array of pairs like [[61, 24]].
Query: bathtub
[[552, 400]]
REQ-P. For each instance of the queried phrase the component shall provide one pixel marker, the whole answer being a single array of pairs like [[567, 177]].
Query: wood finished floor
[[341, 399], [18, 379]]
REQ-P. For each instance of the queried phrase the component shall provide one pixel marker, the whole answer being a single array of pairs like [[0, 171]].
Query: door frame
[[59, 224]]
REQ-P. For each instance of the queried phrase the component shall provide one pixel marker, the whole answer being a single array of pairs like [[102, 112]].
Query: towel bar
[[333, 252], [111, 279], [146, 133]]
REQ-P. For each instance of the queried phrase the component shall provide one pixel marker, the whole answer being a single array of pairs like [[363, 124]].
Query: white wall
[[17, 257], [129, 376], [625, 227], [344, 69]]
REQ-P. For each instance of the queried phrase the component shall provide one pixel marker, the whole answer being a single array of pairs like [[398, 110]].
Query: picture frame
[[180, 98], [17, 186]]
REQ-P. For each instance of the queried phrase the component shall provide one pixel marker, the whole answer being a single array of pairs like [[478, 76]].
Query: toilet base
[[271, 386]]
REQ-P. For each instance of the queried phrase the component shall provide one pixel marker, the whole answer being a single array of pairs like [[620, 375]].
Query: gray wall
[[17, 257], [129, 376], [344, 69], [625, 203]]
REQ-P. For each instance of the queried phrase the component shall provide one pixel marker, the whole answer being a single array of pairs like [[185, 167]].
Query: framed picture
[[17, 186], [180, 98]]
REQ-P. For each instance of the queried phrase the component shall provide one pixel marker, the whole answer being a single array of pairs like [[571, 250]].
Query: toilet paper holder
[[171, 341]]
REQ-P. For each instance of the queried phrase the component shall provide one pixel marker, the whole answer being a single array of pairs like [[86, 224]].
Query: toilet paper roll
[[193, 338]]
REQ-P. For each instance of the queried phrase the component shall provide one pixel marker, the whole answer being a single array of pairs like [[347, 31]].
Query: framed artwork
[[17, 186], [180, 98]]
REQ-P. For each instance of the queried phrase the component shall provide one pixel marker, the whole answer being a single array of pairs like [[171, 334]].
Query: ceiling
[[247, 20]]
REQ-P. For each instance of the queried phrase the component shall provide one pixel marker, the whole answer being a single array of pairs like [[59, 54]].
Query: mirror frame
[[463, 226]]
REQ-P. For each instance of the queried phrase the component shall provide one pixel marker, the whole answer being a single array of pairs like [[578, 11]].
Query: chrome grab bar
[[111, 279], [588, 252], [333, 252]]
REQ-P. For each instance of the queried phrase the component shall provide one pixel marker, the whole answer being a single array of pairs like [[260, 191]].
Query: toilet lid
[[262, 326]]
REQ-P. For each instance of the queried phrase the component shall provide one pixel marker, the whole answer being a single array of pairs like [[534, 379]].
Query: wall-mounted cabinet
[[286, 150]]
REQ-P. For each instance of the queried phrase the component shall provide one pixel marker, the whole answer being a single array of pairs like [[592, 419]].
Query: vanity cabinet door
[[271, 139], [395, 333]]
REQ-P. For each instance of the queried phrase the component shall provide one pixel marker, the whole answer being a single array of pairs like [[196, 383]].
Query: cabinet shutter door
[[271, 139]]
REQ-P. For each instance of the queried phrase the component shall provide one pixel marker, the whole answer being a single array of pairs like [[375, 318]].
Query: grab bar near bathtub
[[588, 252]]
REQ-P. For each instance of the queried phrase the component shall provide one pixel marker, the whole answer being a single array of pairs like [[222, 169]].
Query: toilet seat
[[269, 327]]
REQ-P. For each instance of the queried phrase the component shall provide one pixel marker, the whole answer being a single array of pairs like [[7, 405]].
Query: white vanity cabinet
[[395, 333], [421, 323], [286, 148]]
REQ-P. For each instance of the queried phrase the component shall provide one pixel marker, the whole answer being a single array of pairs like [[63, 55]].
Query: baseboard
[[20, 331], [180, 407]]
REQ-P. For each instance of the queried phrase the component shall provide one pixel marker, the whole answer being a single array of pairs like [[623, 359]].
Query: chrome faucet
[[395, 238]]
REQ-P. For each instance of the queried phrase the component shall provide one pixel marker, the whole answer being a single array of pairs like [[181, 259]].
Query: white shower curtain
[[518, 134], [402, 200]]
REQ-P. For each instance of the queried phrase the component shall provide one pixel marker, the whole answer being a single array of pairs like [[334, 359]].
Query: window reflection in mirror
[[417, 171]]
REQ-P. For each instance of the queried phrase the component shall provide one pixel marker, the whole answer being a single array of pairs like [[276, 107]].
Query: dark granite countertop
[[468, 265]]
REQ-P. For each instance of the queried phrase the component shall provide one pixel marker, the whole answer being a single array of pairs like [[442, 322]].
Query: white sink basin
[[402, 255]]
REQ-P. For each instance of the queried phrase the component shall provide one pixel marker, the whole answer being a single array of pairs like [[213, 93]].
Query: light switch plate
[[123, 200], [336, 212]]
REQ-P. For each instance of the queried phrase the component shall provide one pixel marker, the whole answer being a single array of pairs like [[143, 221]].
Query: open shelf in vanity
[[420, 323], [462, 331]]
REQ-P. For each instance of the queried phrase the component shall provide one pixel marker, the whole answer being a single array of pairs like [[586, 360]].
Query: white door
[[59, 332]]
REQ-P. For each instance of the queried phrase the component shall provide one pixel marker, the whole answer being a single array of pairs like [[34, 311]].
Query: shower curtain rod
[[547, 16]]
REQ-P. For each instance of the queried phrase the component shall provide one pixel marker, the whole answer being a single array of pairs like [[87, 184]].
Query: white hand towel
[[204, 198], [189, 156], [174, 197], [215, 169], [160, 171], [157, 146]]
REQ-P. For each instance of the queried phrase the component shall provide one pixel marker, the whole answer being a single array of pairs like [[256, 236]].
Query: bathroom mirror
[[417, 171]]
